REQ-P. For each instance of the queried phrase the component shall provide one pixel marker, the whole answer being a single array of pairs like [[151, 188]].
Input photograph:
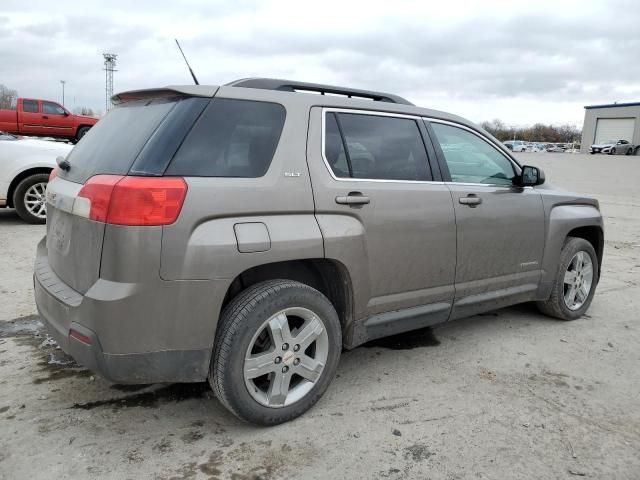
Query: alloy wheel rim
[[35, 200], [578, 279], [286, 357]]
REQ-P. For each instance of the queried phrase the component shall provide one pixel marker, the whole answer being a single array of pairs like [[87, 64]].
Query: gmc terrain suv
[[247, 233]]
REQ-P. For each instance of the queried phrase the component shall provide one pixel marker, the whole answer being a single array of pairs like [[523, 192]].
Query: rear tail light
[[129, 200]]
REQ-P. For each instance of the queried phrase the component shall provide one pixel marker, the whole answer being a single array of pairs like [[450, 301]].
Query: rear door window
[[30, 106], [232, 138], [375, 147]]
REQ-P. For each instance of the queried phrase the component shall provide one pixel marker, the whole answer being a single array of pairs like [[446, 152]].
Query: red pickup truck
[[43, 118]]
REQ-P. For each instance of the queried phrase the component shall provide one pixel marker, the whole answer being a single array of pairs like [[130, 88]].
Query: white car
[[537, 148], [614, 147], [25, 165], [516, 145]]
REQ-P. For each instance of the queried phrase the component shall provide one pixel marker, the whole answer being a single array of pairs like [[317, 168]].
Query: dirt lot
[[509, 394]]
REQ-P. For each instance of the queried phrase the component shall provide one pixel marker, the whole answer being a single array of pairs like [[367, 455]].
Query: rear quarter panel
[[202, 244], [9, 121]]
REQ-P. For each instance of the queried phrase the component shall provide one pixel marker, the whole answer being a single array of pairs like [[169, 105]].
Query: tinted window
[[111, 146], [334, 148], [232, 138], [380, 147], [471, 159], [30, 106], [52, 108]]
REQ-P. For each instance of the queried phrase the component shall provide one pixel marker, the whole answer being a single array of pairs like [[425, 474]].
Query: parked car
[[553, 148], [247, 233], [25, 165], [43, 118], [537, 148], [516, 145], [614, 147]]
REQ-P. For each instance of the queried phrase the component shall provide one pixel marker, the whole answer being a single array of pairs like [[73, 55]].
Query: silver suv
[[246, 234]]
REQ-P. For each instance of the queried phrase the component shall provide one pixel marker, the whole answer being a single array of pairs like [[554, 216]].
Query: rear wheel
[[630, 151], [29, 198], [276, 351], [575, 282]]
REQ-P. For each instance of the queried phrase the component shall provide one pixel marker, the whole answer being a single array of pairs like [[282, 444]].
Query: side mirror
[[66, 114], [530, 177]]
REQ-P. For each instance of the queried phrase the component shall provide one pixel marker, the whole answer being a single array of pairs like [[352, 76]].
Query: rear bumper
[[110, 351]]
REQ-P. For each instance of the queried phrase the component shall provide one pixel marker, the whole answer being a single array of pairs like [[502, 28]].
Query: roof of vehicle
[[305, 95]]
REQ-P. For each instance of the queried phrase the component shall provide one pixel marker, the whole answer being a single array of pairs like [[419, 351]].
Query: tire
[[82, 131], [612, 151], [630, 151], [556, 306], [32, 188], [242, 328]]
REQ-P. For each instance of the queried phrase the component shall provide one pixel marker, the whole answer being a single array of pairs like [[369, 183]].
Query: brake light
[[54, 173], [129, 200]]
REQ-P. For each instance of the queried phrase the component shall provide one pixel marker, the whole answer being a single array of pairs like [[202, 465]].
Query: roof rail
[[293, 86]]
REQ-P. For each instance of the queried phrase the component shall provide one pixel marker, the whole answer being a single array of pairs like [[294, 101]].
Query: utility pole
[[63, 82], [109, 68]]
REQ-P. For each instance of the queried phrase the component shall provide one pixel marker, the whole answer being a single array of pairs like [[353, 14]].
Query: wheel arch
[[595, 236], [564, 220], [330, 277], [21, 176]]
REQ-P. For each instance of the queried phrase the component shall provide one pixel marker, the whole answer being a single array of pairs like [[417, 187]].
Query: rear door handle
[[45, 117], [354, 198], [472, 200]]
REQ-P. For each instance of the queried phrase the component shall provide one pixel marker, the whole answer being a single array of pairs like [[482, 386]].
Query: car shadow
[[52, 365], [8, 216]]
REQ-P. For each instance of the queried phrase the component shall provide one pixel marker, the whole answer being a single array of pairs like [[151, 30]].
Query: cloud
[[520, 62]]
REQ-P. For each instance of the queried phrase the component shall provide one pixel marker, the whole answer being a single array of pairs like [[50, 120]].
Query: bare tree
[[537, 133], [8, 97], [84, 111]]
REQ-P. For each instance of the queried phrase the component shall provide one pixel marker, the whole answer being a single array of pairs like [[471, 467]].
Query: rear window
[[232, 138], [111, 146]]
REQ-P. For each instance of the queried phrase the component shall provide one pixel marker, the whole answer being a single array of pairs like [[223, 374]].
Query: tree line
[[536, 133], [8, 97]]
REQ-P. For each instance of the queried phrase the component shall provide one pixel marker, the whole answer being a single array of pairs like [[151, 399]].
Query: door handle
[[354, 198], [472, 200], [45, 117]]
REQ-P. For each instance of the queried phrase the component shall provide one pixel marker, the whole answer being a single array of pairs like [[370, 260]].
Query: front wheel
[[575, 282], [276, 351], [82, 131], [29, 198], [612, 151]]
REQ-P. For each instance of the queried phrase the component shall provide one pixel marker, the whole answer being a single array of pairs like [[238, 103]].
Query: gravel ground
[[509, 394]]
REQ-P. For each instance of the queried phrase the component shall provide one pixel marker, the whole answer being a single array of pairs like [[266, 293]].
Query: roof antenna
[[185, 61]]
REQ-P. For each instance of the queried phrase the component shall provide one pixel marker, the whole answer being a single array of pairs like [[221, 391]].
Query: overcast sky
[[522, 62]]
